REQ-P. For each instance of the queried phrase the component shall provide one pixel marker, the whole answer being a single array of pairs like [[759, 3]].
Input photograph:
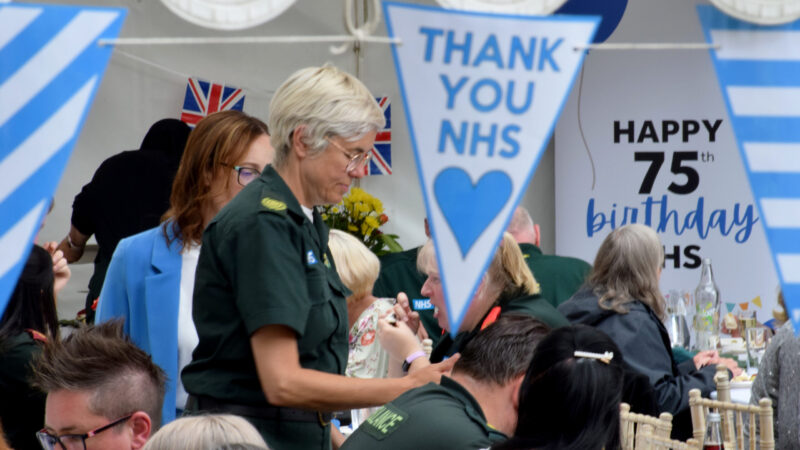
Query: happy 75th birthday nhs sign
[[481, 93]]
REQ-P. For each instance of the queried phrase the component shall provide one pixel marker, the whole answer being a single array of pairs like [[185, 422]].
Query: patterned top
[[366, 358]]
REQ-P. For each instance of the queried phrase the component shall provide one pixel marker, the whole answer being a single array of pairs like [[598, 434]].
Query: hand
[[434, 372], [705, 358], [732, 365], [61, 271], [403, 311], [398, 339]]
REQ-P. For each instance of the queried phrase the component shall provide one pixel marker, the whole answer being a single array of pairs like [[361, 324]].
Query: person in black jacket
[[128, 194], [622, 298]]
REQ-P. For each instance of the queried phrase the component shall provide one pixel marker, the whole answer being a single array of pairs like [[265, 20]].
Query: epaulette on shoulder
[[36, 336], [273, 205]]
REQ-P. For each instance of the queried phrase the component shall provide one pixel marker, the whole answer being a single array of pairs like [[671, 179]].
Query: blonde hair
[[356, 265], [626, 269], [328, 102], [204, 432], [508, 275]]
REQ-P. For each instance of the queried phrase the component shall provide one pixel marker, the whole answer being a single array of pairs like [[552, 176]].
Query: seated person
[[559, 276], [570, 397], [209, 431], [507, 286], [102, 391], [778, 380], [622, 298], [472, 409], [29, 320]]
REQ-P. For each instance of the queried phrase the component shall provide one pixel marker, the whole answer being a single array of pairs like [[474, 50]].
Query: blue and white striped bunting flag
[[759, 74], [50, 68]]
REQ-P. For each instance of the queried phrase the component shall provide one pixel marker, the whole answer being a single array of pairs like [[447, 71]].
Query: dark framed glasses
[[73, 441], [245, 174], [357, 160]]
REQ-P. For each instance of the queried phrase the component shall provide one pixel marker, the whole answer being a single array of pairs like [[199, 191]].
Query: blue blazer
[[143, 287]]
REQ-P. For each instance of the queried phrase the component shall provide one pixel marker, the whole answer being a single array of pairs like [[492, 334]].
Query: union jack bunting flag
[[50, 68], [205, 97], [381, 161]]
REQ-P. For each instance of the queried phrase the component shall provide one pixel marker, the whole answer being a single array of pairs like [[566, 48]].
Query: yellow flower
[[372, 222], [352, 227]]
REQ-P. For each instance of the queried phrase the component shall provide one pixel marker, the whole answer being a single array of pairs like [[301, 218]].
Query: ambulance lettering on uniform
[[385, 420], [311, 258]]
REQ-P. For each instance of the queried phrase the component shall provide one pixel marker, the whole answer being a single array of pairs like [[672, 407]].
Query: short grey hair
[[204, 432], [329, 102]]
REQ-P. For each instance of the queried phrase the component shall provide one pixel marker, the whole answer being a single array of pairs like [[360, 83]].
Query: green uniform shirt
[[399, 274], [560, 277], [531, 305], [21, 405], [430, 417], [264, 263]]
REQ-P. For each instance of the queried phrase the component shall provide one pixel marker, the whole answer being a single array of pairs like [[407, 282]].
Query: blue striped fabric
[[50, 68], [759, 75]]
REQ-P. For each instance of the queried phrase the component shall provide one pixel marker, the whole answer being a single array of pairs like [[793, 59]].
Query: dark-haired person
[[128, 194], [474, 408], [151, 277], [570, 397], [103, 392], [622, 298], [29, 320]]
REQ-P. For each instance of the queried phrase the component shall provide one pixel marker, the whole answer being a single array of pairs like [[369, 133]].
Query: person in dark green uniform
[[399, 273], [474, 408], [507, 287], [29, 319], [559, 277], [269, 308]]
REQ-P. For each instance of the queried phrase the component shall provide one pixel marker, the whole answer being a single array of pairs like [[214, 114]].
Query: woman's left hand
[[705, 358]]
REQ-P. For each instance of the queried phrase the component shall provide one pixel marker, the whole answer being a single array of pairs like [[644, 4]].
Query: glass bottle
[[706, 300], [713, 439]]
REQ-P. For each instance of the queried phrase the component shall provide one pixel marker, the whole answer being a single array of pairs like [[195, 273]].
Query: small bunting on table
[[744, 306], [730, 306], [757, 301]]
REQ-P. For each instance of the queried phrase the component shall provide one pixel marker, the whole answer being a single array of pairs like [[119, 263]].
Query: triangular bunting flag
[[744, 306], [757, 301], [759, 74], [50, 68], [481, 93], [730, 306]]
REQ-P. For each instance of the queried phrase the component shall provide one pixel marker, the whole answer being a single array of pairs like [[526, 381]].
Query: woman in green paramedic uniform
[[269, 309]]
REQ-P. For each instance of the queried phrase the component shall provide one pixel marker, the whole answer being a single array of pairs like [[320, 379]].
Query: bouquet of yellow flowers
[[361, 215]]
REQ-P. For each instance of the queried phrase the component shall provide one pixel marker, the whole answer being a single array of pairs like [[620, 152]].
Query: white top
[[187, 334], [309, 213]]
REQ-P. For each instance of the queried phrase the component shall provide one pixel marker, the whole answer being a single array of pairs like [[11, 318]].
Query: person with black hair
[[29, 320], [473, 408], [570, 397]]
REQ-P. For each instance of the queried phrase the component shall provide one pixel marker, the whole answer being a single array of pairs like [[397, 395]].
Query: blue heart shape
[[469, 208]]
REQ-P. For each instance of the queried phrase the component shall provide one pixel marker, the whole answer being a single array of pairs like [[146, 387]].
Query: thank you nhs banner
[[50, 68], [481, 93], [759, 75]]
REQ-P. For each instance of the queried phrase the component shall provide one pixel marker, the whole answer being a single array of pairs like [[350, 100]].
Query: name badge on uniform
[[311, 258], [421, 304]]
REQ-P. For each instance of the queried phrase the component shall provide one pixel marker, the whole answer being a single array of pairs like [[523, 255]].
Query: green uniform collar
[[471, 406], [529, 249]]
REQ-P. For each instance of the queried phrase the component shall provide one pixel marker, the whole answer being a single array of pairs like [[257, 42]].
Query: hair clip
[[605, 357]]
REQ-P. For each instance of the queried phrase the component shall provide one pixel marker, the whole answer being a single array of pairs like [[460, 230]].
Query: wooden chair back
[[634, 425], [650, 441], [733, 422]]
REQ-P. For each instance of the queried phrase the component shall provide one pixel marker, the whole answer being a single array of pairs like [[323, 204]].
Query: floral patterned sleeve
[[366, 358]]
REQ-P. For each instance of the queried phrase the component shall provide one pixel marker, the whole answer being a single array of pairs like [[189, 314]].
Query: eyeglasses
[[357, 160], [73, 441], [244, 174]]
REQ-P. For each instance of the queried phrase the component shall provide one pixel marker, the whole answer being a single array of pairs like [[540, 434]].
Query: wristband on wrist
[[70, 243], [410, 359]]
